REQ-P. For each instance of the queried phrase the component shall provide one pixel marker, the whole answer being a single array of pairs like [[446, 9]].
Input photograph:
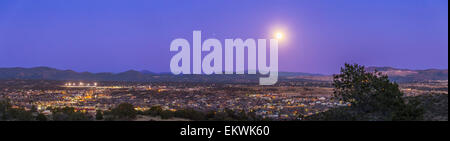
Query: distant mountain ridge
[[407, 75], [47, 73]]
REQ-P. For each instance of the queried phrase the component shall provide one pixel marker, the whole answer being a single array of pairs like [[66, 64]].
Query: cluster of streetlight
[[80, 84]]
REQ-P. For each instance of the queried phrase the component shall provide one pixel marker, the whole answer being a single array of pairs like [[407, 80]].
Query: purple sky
[[115, 36]]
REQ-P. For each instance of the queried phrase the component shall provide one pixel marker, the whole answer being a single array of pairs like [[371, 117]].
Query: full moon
[[279, 35]]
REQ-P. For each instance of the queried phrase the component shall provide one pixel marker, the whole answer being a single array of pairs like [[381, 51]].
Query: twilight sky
[[115, 36]]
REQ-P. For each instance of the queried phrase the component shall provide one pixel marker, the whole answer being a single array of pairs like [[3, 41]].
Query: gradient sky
[[115, 36]]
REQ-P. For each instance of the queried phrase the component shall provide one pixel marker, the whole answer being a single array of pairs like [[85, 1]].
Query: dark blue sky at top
[[321, 35]]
